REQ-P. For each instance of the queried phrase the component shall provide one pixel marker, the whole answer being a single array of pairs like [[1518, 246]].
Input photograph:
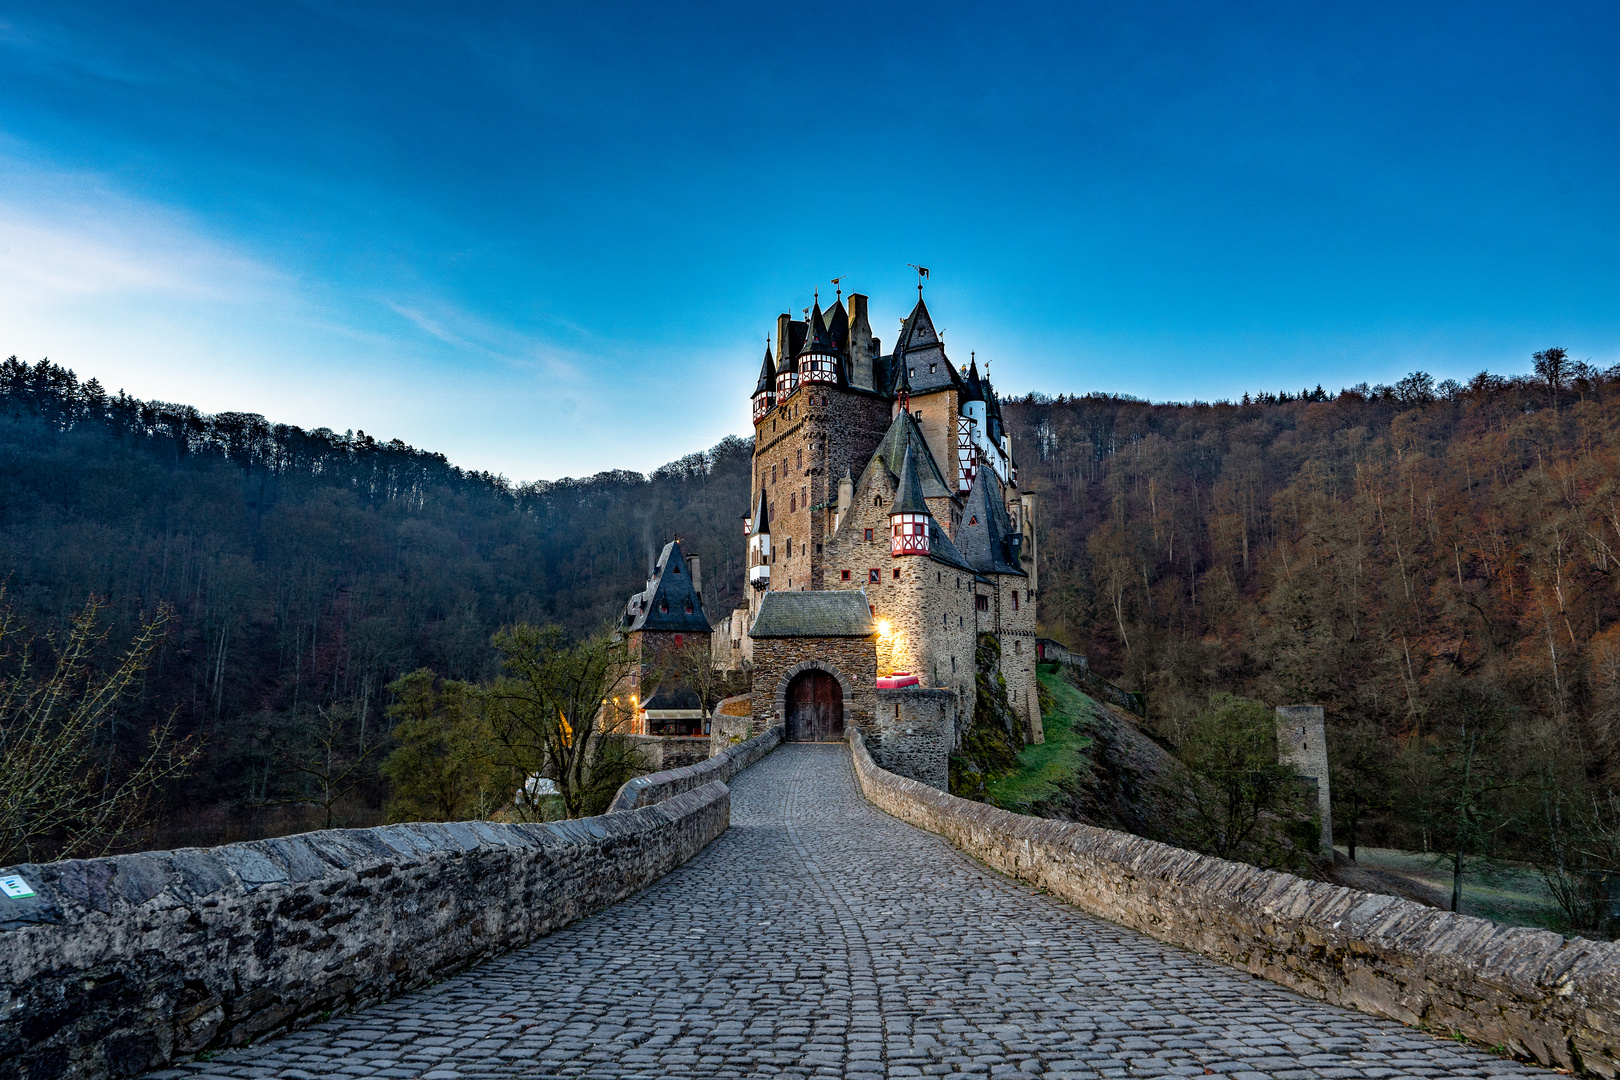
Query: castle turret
[[765, 389], [787, 375], [759, 545], [818, 360], [910, 523]]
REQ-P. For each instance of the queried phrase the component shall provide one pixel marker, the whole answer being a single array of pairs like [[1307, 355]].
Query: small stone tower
[[1302, 743]]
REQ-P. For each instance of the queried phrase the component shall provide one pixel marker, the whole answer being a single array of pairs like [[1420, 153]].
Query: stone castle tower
[[889, 476]]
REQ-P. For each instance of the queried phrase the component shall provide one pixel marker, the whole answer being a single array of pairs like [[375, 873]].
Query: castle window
[[933, 369], [801, 458], [674, 569], [873, 575], [689, 607], [773, 474], [843, 575], [944, 622], [664, 607], [953, 665], [912, 372], [1029, 594], [974, 520], [959, 621], [680, 639], [1015, 599], [793, 503], [790, 547], [1018, 646], [877, 500], [868, 534], [897, 573], [981, 602]]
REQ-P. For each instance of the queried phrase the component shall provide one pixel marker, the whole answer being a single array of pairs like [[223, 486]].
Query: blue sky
[[550, 239]]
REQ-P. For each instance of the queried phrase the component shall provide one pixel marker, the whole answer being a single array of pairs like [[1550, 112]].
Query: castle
[[887, 532]]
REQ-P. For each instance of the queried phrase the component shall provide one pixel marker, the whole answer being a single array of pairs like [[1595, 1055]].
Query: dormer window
[[912, 372], [664, 607], [974, 520], [933, 369], [675, 569]]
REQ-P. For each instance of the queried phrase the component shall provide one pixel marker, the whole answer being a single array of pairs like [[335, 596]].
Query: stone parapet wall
[[1530, 991], [653, 789], [120, 965]]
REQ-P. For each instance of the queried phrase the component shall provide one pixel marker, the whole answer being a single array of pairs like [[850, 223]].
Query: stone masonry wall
[[1527, 990], [810, 439], [929, 607], [661, 753], [853, 658], [916, 728], [119, 965]]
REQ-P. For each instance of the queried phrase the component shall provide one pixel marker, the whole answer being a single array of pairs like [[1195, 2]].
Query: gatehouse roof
[[837, 613]]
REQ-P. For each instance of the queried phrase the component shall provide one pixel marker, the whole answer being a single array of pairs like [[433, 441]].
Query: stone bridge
[[819, 936]]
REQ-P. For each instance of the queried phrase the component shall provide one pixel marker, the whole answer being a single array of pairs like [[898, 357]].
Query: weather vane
[[922, 272], [835, 281]]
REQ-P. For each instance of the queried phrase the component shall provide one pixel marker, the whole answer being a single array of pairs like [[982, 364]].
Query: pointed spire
[[908, 498], [902, 382], [975, 388], [816, 338], [767, 373], [761, 525]]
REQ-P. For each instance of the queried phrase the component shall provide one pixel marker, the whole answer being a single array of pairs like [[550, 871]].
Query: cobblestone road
[[821, 937]]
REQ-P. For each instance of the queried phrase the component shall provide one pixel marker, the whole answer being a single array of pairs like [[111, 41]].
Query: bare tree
[[65, 788], [330, 753]]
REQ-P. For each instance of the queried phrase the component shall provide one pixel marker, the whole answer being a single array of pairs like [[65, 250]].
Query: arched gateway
[[815, 708]]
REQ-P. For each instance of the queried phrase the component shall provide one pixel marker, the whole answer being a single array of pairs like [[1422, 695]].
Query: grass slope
[[1042, 769]]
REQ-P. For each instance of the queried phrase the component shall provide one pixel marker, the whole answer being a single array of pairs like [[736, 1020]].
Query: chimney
[[784, 323], [861, 343], [696, 566]]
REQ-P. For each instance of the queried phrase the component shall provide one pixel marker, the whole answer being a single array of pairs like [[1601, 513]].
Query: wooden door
[[815, 708]]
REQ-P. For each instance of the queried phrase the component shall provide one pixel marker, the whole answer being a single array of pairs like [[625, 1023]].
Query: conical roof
[[761, 525], [902, 382], [908, 497], [982, 536], [817, 339], [767, 375], [921, 354], [973, 389], [838, 325]]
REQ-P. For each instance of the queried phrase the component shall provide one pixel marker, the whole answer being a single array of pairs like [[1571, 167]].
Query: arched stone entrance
[[814, 707]]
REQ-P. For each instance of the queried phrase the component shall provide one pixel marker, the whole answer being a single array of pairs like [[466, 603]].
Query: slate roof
[[669, 602], [982, 536], [767, 375], [973, 389], [673, 695], [891, 452], [908, 496], [835, 613], [816, 339], [922, 354], [838, 325], [762, 520]]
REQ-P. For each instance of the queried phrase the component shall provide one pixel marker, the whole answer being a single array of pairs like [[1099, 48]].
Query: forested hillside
[[308, 569], [1434, 565]]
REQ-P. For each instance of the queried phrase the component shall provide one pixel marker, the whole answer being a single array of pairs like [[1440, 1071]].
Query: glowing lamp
[[884, 629]]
